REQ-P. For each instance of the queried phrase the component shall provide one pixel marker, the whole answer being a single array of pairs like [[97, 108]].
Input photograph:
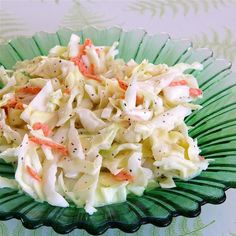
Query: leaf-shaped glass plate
[[214, 126]]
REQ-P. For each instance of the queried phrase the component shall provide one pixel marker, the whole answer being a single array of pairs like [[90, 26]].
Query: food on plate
[[83, 126]]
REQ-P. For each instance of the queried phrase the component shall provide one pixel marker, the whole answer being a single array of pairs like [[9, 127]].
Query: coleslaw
[[82, 126]]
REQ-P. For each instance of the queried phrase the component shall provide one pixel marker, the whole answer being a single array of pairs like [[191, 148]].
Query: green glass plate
[[214, 126]]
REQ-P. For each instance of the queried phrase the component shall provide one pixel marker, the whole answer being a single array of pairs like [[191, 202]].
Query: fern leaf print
[[171, 229], [3, 229], [222, 44], [38, 232], [196, 229], [10, 26], [198, 224], [79, 16], [160, 7], [19, 229], [183, 225], [232, 234]]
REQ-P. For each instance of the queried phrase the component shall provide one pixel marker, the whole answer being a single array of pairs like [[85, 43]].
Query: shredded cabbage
[[81, 126]]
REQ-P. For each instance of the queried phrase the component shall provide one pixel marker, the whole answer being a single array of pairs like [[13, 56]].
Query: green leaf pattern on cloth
[[3, 229], [10, 26], [160, 7], [79, 16], [18, 230], [222, 45]]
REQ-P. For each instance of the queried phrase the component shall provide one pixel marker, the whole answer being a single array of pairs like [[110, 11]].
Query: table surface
[[207, 23]]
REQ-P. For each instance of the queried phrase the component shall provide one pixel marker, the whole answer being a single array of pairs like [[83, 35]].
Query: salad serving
[[83, 127]]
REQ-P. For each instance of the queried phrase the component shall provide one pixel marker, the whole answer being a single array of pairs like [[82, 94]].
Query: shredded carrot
[[123, 84], [94, 77], [19, 106], [92, 71], [87, 42], [178, 83], [67, 91], [195, 92], [139, 99], [56, 146], [13, 103], [76, 60], [88, 72], [124, 176], [37, 126], [122, 96], [33, 173], [46, 130], [30, 90], [84, 69]]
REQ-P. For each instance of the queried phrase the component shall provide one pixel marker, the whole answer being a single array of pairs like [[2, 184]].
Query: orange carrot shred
[[92, 71], [123, 84], [84, 70], [33, 173], [122, 96], [19, 106], [88, 72], [87, 42], [13, 103], [194, 92], [37, 126], [139, 99], [56, 146], [76, 60], [94, 77], [30, 90], [44, 127], [82, 67], [178, 83], [124, 176], [67, 91]]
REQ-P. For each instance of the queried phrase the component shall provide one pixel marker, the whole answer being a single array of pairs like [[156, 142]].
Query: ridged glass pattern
[[214, 126]]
